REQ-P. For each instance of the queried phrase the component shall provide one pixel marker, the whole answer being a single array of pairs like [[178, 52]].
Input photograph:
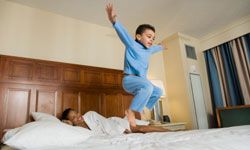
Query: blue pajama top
[[136, 54]]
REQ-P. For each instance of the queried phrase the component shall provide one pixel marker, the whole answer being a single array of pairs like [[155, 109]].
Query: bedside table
[[172, 126]]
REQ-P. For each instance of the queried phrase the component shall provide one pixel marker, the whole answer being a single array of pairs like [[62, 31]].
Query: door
[[198, 101]]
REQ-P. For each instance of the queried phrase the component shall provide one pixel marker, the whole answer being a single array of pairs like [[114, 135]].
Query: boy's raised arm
[[121, 31]]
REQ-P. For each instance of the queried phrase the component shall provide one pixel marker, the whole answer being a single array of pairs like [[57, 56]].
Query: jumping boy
[[137, 54]]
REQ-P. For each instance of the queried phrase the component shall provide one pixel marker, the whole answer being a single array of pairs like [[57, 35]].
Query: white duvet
[[233, 138]]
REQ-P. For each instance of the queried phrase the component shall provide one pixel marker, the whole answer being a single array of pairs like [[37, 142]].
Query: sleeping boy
[[111, 126]]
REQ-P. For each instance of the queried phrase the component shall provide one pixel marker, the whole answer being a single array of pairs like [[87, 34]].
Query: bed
[[234, 138], [49, 133], [31, 85]]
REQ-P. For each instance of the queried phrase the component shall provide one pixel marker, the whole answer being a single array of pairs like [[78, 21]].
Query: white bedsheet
[[233, 138]]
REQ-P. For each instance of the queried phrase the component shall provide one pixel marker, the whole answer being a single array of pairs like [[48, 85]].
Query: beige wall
[[175, 81], [34, 33], [177, 87], [178, 67], [193, 66]]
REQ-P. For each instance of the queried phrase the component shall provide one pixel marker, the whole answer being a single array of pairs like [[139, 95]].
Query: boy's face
[[146, 38], [75, 117]]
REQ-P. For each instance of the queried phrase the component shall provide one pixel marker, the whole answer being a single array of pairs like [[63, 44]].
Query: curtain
[[228, 68]]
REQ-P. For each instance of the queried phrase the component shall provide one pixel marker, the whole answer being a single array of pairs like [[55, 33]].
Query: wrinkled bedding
[[233, 138]]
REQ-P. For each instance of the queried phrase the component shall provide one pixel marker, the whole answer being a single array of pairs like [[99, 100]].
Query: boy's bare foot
[[131, 117]]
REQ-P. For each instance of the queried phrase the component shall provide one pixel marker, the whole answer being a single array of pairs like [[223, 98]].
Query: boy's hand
[[111, 13], [163, 45]]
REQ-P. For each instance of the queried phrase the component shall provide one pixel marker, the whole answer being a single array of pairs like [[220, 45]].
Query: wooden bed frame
[[28, 85]]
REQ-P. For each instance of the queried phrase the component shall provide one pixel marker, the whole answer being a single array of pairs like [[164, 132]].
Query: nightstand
[[172, 126]]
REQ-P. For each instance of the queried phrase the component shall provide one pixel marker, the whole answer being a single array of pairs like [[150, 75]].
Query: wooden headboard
[[28, 85]]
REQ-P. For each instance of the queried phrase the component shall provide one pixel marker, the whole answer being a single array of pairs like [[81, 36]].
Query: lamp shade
[[159, 84]]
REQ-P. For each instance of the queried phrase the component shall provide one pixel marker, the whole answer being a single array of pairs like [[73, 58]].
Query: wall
[[194, 66], [178, 67], [34, 33], [175, 81]]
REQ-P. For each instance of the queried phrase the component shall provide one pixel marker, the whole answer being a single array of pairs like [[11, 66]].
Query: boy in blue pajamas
[[137, 55]]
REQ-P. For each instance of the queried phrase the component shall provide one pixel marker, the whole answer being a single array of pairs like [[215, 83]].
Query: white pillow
[[47, 133], [9, 133], [40, 116]]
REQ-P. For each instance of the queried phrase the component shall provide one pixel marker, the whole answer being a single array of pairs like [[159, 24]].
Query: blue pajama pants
[[145, 93]]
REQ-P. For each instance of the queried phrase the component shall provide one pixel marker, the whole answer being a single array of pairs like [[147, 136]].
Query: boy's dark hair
[[141, 28], [66, 113]]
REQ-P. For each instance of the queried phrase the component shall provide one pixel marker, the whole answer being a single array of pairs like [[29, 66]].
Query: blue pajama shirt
[[136, 62]]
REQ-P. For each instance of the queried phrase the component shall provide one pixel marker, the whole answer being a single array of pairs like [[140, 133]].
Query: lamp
[[159, 84], [157, 110]]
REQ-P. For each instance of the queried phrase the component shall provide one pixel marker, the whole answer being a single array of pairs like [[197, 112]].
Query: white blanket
[[234, 138], [110, 126]]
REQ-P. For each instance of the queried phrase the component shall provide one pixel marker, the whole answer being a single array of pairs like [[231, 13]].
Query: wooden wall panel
[[48, 72], [1, 110], [1, 66], [16, 107], [126, 101], [91, 77], [46, 100], [19, 69], [71, 74], [110, 79], [113, 105], [71, 99], [119, 79], [90, 101]]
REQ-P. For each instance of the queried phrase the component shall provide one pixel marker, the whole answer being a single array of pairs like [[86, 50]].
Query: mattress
[[233, 138]]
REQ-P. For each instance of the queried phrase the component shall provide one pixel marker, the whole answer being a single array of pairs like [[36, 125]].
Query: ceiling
[[196, 18]]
